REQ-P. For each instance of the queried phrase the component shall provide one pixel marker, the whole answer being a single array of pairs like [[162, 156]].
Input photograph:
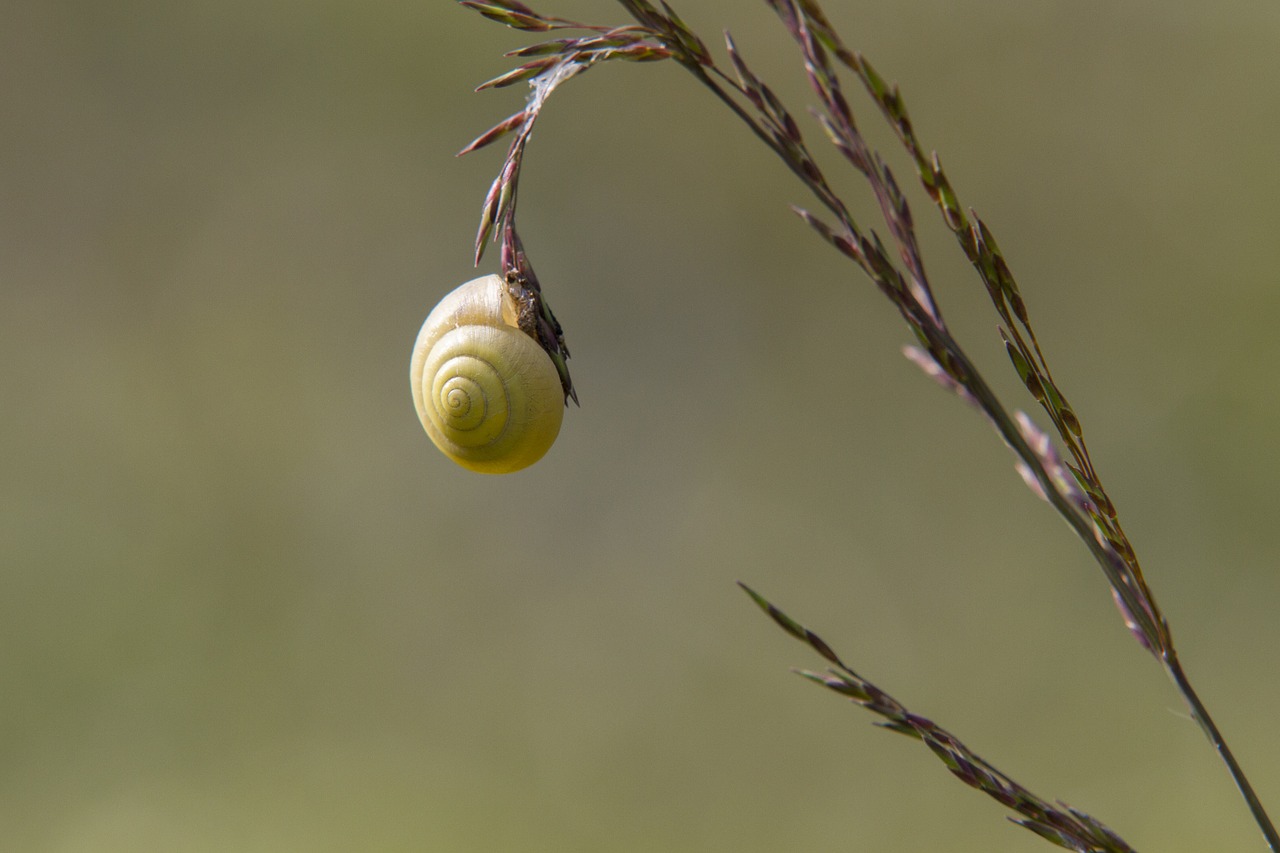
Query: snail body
[[487, 394]]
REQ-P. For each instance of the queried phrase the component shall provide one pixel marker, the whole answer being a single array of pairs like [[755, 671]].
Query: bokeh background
[[245, 605]]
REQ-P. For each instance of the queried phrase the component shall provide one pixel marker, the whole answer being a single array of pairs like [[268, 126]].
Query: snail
[[487, 394]]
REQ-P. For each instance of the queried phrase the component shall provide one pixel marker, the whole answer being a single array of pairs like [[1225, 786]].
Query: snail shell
[[487, 394]]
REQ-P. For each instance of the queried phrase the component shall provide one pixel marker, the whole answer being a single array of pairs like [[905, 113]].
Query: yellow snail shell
[[487, 394]]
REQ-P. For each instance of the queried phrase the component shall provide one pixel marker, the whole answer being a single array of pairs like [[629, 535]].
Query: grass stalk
[[1067, 480]]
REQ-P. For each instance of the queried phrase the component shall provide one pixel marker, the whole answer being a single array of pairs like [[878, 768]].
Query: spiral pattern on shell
[[487, 394]]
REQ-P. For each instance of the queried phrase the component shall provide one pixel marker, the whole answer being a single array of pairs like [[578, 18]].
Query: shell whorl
[[487, 394]]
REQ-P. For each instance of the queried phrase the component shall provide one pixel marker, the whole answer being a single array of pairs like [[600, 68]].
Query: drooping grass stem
[[1072, 485]]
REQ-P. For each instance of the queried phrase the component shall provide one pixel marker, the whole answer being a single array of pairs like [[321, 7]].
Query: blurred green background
[[247, 606]]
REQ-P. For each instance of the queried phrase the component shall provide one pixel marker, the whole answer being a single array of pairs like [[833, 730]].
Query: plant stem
[[1136, 602], [1072, 489], [1201, 715]]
